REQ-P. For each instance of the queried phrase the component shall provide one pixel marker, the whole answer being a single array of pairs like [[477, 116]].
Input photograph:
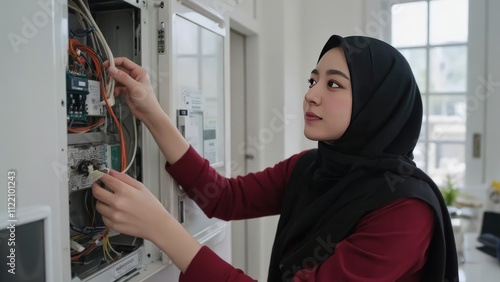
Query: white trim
[[492, 136], [476, 118], [26, 215]]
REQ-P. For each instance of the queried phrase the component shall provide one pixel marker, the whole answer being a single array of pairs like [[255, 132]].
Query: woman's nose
[[313, 95]]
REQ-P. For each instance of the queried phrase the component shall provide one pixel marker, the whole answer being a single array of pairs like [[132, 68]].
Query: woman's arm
[[253, 195], [128, 207]]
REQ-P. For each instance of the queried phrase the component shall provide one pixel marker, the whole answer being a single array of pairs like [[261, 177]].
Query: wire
[[86, 128], [120, 132], [105, 250], [82, 32], [107, 50], [75, 49], [94, 212], [113, 250], [91, 247], [87, 193], [107, 247], [87, 16], [87, 230], [82, 9], [135, 146], [85, 55]]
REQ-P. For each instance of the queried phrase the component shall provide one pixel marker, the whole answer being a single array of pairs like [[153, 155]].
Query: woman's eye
[[333, 84], [312, 82]]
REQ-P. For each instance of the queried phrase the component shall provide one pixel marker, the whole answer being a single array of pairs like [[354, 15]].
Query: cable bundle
[[107, 83], [89, 237]]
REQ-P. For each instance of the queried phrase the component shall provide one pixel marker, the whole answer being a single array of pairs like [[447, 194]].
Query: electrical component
[[93, 102], [113, 158], [77, 84], [77, 247], [79, 159], [77, 89], [182, 116]]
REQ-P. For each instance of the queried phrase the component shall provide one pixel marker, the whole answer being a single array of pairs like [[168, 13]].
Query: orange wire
[[120, 132], [86, 128], [75, 45]]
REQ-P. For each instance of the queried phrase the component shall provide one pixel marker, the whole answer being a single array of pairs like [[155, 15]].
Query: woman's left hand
[[129, 207]]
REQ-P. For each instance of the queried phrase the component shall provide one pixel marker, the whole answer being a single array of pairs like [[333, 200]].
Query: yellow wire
[[106, 243]]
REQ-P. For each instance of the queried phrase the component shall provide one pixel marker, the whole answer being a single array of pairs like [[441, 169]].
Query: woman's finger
[[109, 223], [126, 179], [104, 209], [114, 184], [127, 64], [122, 77], [102, 194], [120, 90]]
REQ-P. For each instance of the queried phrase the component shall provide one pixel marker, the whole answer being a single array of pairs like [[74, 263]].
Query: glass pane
[[446, 159], [448, 69], [447, 117], [199, 81], [417, 58], [423, 130], [209, 44], [409, 24], [187, 37], [449, 21], [211, 86], [187, 72], [419, 155]]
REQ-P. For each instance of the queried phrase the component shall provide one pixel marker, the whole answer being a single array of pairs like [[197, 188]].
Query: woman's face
[[328, 103]]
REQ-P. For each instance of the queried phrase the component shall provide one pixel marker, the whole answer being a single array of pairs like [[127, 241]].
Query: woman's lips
[[310, 116]]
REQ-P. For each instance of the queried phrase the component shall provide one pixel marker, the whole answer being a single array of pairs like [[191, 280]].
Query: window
[[433, 36]]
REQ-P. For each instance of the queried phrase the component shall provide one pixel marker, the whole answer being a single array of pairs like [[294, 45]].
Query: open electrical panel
[[181, 44], [102, 133]]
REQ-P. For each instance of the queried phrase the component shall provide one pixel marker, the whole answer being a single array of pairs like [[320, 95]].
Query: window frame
[[378, 24]]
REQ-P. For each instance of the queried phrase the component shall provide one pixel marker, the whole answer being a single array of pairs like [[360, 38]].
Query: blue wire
[[81, 32]]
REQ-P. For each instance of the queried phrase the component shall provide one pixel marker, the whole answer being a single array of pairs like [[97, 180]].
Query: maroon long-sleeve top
[[388, 244]]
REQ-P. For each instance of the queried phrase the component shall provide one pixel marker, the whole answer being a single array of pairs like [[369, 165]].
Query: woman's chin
[[311, 136]]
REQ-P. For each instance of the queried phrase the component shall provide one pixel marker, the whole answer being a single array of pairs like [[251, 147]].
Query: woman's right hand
[[133, 82]]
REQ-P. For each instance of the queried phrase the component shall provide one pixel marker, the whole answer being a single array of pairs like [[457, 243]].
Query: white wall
[[294, 79], [321, 19], [270, 97], [33, 128]]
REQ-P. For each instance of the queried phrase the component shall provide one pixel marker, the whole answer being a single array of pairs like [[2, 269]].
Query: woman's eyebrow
[[331, 72]]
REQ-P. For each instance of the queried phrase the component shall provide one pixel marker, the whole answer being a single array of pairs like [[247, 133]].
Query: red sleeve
[[390, 244], [208, 266], [253, 195]]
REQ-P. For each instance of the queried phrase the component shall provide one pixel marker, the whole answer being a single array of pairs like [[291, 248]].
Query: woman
[[354, 209]]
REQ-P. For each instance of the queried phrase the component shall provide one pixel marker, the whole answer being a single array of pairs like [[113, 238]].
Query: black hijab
[[336, 185]]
